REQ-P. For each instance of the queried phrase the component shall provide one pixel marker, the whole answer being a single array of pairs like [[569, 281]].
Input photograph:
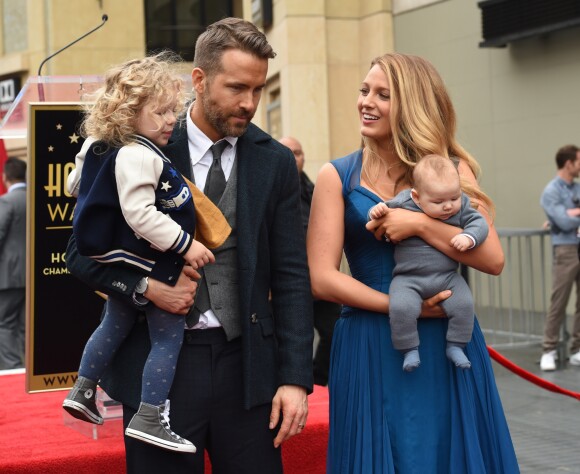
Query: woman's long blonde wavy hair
[[128, 87], [423, 122]]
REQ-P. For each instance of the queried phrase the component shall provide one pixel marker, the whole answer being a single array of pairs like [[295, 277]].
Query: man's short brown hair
[[565, 154], [229, 33], [15, 170]]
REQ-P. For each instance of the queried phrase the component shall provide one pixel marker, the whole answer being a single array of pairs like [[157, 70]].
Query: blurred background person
[[561, 203], [326, 313], [12, 264]]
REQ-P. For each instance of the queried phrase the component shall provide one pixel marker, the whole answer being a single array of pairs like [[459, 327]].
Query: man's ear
[[198, 80]]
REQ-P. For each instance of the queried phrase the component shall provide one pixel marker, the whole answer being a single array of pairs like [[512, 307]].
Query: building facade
[[323, 50], [516, 105]]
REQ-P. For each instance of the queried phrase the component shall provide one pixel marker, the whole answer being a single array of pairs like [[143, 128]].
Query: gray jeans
[[565, 272]]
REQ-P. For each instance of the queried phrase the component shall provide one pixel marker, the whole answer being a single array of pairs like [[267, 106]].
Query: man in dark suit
[[12, 264], [244, 371]]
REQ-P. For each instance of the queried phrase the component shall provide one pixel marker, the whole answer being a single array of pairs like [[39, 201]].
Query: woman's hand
[[396, 225], [431, 308]]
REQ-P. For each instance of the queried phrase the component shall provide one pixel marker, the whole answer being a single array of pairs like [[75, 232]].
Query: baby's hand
[[378, 211], [198, 255], [461, 242]]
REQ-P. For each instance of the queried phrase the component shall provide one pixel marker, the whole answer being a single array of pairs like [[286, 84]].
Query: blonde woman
[[134, 207], [440, 419]]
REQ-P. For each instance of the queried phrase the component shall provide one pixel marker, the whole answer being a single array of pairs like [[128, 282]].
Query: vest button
[[254, 318]]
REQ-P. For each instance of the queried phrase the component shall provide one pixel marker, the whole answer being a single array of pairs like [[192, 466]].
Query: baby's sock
[[455, 354], [411, 360]]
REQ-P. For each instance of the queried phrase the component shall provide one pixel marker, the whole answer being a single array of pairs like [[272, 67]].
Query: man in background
[[12, 264], [325, 312], [561, 203]]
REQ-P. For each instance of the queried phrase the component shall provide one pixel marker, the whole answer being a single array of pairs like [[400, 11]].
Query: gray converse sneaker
[[80, 401], [151, 425]]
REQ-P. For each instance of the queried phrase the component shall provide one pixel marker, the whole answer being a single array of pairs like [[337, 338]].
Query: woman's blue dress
[[436, 420]]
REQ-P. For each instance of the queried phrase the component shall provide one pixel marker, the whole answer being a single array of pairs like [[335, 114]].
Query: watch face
[[141, 286]]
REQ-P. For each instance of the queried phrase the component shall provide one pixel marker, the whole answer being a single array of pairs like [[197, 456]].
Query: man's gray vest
[[222, 276]]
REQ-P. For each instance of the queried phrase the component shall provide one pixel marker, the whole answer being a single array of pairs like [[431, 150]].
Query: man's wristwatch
[[138, 297]]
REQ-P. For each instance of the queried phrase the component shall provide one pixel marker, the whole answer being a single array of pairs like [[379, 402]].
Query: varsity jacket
[[133, 207]]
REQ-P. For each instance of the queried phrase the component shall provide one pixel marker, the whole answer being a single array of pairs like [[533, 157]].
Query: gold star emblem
[[74, 138], [51, 148], [59, 126], [165, 186]]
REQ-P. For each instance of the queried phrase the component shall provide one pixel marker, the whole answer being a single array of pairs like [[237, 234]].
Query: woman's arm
[[325, 240], [324, 243], [400, 224]]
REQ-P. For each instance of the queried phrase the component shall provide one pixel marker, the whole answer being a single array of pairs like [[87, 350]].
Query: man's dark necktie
[[215, 184]]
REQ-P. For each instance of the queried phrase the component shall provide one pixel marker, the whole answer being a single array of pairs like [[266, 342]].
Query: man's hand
[[291, 402], [174, 299]]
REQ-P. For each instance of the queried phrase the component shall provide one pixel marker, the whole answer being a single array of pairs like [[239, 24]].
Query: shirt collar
[[199, 143], [16, 186]]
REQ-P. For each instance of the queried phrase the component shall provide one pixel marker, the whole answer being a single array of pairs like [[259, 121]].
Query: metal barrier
[[511, 308]]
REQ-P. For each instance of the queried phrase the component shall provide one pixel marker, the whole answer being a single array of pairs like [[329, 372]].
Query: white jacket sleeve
[[137, 172], [73, 181]]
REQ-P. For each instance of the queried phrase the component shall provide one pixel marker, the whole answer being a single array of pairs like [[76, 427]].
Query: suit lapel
[[256, 173], [255, 181]]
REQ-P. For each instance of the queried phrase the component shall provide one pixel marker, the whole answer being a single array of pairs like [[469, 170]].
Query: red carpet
[[35, 440]]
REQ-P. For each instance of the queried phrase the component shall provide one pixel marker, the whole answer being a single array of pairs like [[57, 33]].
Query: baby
[[422, 271]]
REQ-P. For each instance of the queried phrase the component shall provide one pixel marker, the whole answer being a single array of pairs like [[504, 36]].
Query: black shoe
[[80, 401]]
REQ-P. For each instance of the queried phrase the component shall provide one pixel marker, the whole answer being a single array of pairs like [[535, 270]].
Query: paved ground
[[545, 426]]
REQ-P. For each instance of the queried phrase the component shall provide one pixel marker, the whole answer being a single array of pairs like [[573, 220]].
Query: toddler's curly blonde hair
[[128, 87]]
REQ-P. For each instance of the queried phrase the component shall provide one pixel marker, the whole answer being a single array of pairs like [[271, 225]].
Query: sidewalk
[[545, 426]]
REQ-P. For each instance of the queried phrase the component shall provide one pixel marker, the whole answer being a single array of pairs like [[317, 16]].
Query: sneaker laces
[[165, 421]]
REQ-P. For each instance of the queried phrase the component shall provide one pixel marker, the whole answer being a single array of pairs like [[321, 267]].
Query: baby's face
[[439, 198]]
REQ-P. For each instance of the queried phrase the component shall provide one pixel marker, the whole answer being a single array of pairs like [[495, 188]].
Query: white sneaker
[[548, 361], [575, 359]]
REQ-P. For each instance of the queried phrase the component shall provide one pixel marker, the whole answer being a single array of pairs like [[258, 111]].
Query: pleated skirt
[[436, 420]]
